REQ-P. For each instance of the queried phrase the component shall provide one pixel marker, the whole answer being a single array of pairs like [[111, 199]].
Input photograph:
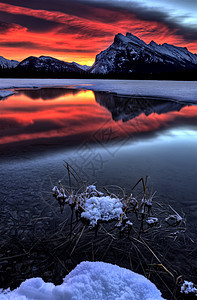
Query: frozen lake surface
[[177, 90]]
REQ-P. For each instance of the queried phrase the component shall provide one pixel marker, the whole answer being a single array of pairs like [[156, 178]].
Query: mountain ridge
[[7, 63], [128, 55]]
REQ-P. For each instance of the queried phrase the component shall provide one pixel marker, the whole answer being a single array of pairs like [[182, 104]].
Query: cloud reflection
[[68, 117]]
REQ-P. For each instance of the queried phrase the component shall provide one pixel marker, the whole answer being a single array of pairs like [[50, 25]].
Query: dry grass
[[155, 250], [133, 240]]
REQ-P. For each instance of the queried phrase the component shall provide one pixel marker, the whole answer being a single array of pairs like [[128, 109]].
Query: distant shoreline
[[182, 91]]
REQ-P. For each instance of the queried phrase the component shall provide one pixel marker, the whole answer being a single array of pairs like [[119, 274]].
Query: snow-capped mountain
[[127, 55], [47, 64], [7, 64], [130, 54]]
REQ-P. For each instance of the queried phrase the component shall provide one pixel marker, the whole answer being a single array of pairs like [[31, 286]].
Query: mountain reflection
[[48, 93], [127, 108], [76, 116]]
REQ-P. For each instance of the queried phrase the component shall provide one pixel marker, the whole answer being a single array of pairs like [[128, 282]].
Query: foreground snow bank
[[185, 91], [89, 281]]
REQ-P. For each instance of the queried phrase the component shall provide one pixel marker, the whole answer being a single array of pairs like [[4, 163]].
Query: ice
[[5, 94], [89, 281], [184, 91]]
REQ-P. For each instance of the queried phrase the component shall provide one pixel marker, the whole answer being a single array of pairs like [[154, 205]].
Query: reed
[[138, 231]]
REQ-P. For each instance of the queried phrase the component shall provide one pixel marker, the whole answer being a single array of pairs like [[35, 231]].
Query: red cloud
[[78, 38]]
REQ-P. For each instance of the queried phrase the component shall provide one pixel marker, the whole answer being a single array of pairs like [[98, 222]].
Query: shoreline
[[182, 91]]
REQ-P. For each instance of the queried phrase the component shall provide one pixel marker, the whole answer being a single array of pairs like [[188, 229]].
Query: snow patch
[[93, 205], [188, 287], [102, 208], [89, 281], [152, 221]]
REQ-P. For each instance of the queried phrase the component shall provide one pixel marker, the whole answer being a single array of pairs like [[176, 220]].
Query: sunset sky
[[77, 30]]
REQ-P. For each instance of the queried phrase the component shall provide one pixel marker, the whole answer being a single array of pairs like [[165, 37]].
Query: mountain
[[82, 67], [129, 54], [47, 64], [127, 57], [7, 64]]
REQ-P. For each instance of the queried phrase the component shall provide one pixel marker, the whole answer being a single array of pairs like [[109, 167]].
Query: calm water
[[108, 139]]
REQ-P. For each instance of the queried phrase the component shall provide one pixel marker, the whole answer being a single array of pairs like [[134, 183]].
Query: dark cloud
[[189, 33], [144, 13], [83, 9], [7, 123], [4, 27], [19, 44], [83, 30], [31, 45], [112, 11], [31, 23]]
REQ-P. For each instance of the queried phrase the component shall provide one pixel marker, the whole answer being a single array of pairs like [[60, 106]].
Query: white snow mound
[[102, 208], [89, 281]]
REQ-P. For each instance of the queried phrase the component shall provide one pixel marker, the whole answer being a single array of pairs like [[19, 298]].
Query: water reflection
[[127, 108], [67, 116], [48, 93]]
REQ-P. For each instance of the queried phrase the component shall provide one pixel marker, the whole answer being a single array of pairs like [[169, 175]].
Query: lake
[[108, 138]]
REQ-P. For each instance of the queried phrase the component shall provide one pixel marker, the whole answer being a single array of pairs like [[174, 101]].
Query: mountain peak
[[135, 39], [7, 64], [129, 39], [153, 44], [130, 54], [120, 38]]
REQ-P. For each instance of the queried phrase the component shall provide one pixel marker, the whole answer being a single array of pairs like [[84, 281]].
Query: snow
[[183, 91], [122, 38], [152, 221], [102, 208], [93, 204], [188, 287], [167, 54], [135, 39], [173, 51], [89, 281], [176, 217], [6, 63]]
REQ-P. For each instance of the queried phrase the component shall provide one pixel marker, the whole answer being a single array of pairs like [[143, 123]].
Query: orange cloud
[[74, 38]]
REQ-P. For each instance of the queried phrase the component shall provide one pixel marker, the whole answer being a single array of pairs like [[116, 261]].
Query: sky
[[77, 30]]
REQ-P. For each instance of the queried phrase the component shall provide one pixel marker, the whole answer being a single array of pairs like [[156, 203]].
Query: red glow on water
[[73, 114]]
